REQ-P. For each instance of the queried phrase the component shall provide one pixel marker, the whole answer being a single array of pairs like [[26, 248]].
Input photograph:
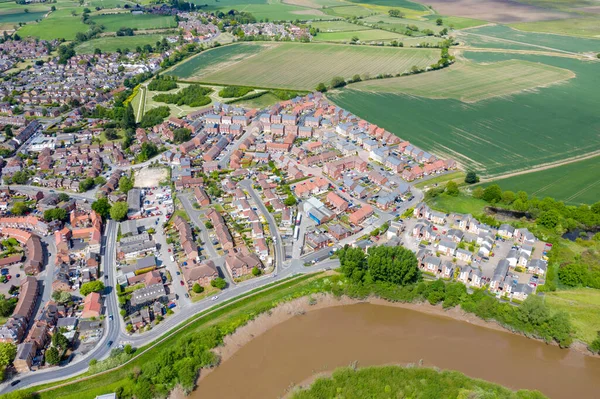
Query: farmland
[[471, 82], [111, 44], [574, 183], [278, 64], [368, 35], [113, 22], [585, 27], [498, 135], [58, 24], [273, 10], [582, 305]]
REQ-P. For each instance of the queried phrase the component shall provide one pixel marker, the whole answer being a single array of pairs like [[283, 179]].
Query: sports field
[[574, 183], [111, 44], [113, 22], [303, 66], [501, 134], [471, 82]]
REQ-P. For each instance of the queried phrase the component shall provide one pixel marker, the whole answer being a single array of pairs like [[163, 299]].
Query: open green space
[[498, 135], [59, 24], [266, 100], [20, 16], [583, 306], [302, 66], [585, 27], [337, 26], [369, 35], [463, 203], [393, 3], [457, 176], [273, 10], [113, 22], [348, 11], [471, 82], [111, 44], [399, 24], [574, 183], [405, 382], [512, 38]]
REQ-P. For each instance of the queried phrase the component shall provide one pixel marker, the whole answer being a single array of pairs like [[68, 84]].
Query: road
[[32, 190], [277, 242]]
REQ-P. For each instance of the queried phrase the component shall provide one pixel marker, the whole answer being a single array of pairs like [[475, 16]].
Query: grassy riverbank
[[401, 382]]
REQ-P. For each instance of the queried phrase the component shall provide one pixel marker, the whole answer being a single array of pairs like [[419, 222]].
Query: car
[[169, 249], [15, 382], [181, 282], [17, 275], [109, 344], [178, 273], [105, 276], [111, 317], [187, 295]]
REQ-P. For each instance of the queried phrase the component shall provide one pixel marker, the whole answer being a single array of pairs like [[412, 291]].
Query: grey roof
[[129, 227], [433, 260], [148, 294], [501, 270], [145, 262], [134, 199]]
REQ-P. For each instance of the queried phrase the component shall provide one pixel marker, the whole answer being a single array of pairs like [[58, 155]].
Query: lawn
[[498, 135], [574, 183], [582, 305], [457, 176], [470, 82], [111, 44], [584, 27], [264, 101], [460, 204], [302, 66], [113, 22]]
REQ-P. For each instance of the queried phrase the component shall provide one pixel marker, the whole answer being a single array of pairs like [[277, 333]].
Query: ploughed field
[[471, 82], [298, 66], [498, 135]]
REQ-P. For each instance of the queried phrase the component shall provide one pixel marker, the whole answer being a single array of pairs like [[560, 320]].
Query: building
[[25, 354], [202, 273], [147, 295], [134, 201], [92, 306]]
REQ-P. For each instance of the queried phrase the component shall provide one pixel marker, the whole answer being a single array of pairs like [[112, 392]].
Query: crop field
[[471, 82], [111, 44], [302, 66], [212, 60], [499, 135], [534, 41], [400, 24], [348, 11], [585, 27], [574, 183], [375, 35], [393, 3], [113, 22], [337, 26], [274, 10], [20, 16], [59, 24], [456, 22]]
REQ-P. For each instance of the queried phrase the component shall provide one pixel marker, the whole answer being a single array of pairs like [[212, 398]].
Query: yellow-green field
[[303, 66], [583, 306], [471, 82]]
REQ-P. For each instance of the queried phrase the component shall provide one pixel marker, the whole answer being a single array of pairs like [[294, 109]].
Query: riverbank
[[397, 381]]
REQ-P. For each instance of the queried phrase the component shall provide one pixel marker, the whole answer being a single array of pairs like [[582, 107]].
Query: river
[[324, 339]]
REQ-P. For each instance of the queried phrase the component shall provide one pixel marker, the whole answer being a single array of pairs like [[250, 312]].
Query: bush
[[193, 96], [219, 283], [163, 83], [234, 91], [91, 286], [155, 116], [197, 288]]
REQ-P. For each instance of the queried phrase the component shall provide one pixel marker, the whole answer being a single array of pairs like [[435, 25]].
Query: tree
[[595, 345], [256, 271], [321, 88], [91, 286], [55, 214], [218, 283], [197, 288], [128, 121], [397, 265], [455, 294], [492, 194], [471, 178], [61, 297], [128, 349], [119, 210], [573, 274], [19, 208], [290, 201], [439, 22], [101, 207], [549, 218], [508, 197], [52, 356], [8, 351], [63, 197], [208, 224], [125, 184], [353, 263], [354, 39], [337, 82], [7, 306], [182, 135], [452, 188], [395, 13], [60, 341]]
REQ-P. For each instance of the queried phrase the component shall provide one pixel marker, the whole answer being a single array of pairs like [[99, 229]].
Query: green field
[[399, 24], [582, 305], [348, 11], [113, 22], [393, 3], [470, 82], [337, 26], [456, 22], [369, 35], [498, 135], [528, 40], [585, 27], [111, 44], [266, 100], [461, 204], [273, 10], [17, 17], [302, 66], [59, 24], [574, 183]]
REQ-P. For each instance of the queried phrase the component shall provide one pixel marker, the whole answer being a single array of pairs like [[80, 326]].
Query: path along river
[[324, 339]]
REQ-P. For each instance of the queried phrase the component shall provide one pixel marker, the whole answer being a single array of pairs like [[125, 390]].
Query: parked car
[[181, 282]]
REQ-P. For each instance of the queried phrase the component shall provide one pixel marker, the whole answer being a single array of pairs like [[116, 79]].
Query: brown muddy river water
[[322, 340]]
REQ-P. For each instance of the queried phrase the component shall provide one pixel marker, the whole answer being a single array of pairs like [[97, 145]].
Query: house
[[24, 359], [537, 266], [201, 273], [147, 295], [239, 264], [448, 270], [92, 306], [506, 231], [521, 291], [317, 241], [338, 231], [337, 202], [497, 281], [201, 196], [447, 247], [513, 257], [464, 255], [432, 264], [360, 215]]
